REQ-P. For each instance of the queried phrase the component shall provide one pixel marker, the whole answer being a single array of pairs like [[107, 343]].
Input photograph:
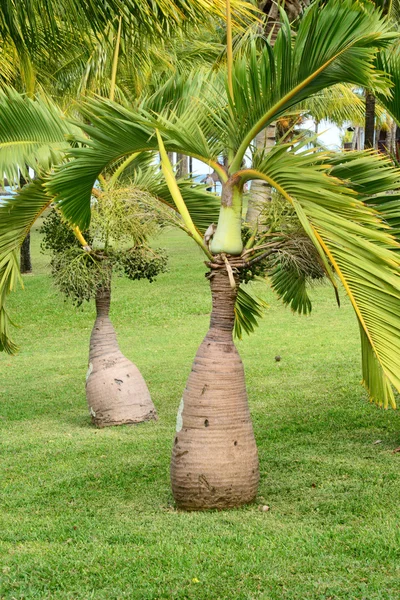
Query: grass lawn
[[88, 513]]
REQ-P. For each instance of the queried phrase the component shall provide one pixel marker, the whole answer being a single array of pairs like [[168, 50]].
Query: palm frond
[[355, 240], [248, 310], [338, 104], [290, 285], [388, 206], [116, 132], [336, 43], [292, 268], [21, 20], [32, 134], [17, 215]]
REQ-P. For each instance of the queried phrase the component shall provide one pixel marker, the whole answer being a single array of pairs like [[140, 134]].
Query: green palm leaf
[[116, 132], [32, 134], [290, 285], [335, 43], [338, 104], [292, 269], [17, 216], [388, 206], [21, 20], [248, 309], [353, 237]]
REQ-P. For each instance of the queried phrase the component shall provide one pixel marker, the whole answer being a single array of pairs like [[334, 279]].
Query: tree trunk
[[25, 263], [25, 256], [115, 389], [182, 170], [355, 144], [260, 191], [391, 138], [214, 458], [369, 129]]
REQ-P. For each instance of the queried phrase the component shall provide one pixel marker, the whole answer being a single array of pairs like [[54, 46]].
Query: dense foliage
[[79, 272]]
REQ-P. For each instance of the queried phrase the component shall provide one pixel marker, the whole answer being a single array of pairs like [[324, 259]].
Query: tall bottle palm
[[214, 463]]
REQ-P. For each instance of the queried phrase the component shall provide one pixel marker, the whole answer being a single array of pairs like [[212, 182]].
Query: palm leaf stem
[[80, 237], [114, 177], [229, 48], [103, 181], [115, 61], [219, 169], [177, 196]]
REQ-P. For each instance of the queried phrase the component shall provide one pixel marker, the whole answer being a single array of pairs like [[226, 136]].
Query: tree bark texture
[[182, 168], [391, 138], [260, 191], [369, 129], [25, 263], [25, 255], [214, 458], [292, 8], [115, 389]]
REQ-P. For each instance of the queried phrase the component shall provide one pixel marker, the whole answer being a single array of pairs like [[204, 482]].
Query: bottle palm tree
[[121, 225], [214, 462]]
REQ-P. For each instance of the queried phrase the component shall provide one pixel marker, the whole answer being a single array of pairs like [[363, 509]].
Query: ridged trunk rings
[[116, 392], [214, 459]]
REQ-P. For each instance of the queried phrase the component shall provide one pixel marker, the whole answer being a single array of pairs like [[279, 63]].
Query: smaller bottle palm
[[118, 241]]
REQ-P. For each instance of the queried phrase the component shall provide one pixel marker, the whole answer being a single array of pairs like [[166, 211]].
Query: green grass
[[89, 514]]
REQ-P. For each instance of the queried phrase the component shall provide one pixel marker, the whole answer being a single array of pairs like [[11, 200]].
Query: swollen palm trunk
[[115, 390], [214, 460]]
